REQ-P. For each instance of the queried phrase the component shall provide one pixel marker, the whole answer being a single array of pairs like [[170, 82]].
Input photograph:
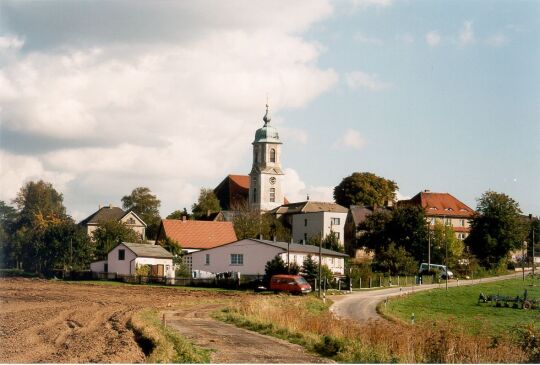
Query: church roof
[[267, 133]]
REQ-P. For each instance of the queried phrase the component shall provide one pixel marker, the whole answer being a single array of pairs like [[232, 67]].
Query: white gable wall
[[122, 267]]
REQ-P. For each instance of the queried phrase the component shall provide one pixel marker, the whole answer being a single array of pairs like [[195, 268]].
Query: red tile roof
[[440, 204], [241, 180], [198, 234]]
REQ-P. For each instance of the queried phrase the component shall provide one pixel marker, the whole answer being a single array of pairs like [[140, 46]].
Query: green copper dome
[[267, 133]]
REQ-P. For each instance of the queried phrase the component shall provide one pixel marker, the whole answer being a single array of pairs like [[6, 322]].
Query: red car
[[294, 284]]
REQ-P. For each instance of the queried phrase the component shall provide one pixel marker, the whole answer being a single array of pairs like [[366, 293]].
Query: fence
[[245, 281], [380, 281]]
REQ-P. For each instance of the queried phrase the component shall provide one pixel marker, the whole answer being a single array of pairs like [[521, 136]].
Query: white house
[[249, 256], [126, 257], [310, 218]]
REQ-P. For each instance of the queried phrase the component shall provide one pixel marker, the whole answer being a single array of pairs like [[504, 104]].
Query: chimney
[[307, 197], [426, 191], [184, 218], [110, 205], [100, 206]]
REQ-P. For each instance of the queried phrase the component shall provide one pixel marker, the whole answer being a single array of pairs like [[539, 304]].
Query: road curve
[[362, 306]]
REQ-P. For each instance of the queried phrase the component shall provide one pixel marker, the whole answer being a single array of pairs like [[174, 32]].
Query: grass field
[[459, 304]]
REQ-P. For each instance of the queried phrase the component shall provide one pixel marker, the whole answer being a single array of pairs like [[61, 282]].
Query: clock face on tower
[[272, 180]]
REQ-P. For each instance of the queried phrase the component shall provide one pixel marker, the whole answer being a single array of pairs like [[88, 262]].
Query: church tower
[[265, 191]]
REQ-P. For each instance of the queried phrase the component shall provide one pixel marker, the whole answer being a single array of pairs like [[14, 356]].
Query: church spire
[[266, 117]]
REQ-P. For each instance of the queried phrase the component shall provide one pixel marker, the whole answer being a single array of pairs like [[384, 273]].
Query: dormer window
[[272, 155], [449, 209], [433, 208]]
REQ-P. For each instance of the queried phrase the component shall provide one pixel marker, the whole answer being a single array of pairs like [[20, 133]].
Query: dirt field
[[59, 322]]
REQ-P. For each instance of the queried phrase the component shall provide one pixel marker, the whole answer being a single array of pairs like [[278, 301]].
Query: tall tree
[[403, 226], [145, 205], [207, 204], [396, 261], [365, 188], [496, 229], [8, 219], [109, 234], [39, 206], [445, 242]]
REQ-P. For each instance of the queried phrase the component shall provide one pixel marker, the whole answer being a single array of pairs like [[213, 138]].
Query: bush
[[329, 346]]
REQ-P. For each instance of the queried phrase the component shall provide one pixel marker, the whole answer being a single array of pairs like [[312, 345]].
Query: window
[[272, 195], [337, 235], [334, 221], [121, 255], [463, 222], [305, 222], [254, 195], [305, 237], [105, 267], [237, 259], [207, 259], [448, 222], [272, 155]]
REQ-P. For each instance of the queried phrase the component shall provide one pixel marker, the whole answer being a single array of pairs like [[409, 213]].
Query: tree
[[365, 188], [444, 240], [179, 214], [111, 233], [39, 206], [404, 226], [250, 223], [496, 229], [273, 267], [396, 261], [310, 267], [8, 219], [146, 206], [208, 203]]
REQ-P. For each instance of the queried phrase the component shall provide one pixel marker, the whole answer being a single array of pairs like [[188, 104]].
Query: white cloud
[[363, 38], [497, 40], [351, 139], [10, 42], [399, 196], [466, 35], [358, 80], [405, 38], [433, 38], [295, 190], [172, 113], [371, 3], [17, 170]]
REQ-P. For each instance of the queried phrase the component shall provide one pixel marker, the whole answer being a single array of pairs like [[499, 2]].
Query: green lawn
[[460, 306]]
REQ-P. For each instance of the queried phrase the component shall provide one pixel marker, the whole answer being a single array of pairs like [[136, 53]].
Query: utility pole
[[445, 253], [288, 258], [320, 265], [429, 246], [523, 259]]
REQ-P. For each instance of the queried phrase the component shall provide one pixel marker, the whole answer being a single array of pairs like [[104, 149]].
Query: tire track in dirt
[[231, 344]]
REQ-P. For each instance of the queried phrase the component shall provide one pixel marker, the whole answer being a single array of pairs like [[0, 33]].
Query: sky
[[101, 97]]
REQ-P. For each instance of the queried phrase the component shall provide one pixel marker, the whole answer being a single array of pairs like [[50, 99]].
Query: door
[[160, 270]]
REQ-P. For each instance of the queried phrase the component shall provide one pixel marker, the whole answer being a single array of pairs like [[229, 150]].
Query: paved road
[[361, 306]]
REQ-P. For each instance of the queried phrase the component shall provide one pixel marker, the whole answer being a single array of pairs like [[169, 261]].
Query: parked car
[[442, 270], [294, 284]]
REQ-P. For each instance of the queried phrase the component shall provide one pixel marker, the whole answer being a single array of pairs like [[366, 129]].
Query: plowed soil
[[66, 322]]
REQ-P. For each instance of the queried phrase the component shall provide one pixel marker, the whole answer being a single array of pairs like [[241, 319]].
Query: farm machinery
[[521, 302]]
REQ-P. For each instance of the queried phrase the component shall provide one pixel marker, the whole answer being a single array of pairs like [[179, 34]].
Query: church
[[262, 189]]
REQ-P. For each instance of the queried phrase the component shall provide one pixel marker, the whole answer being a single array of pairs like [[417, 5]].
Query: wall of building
[[168, 267], [122, 267], [336, 264], [256, 255], [137, 226], [98, 266], [316, 223]]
